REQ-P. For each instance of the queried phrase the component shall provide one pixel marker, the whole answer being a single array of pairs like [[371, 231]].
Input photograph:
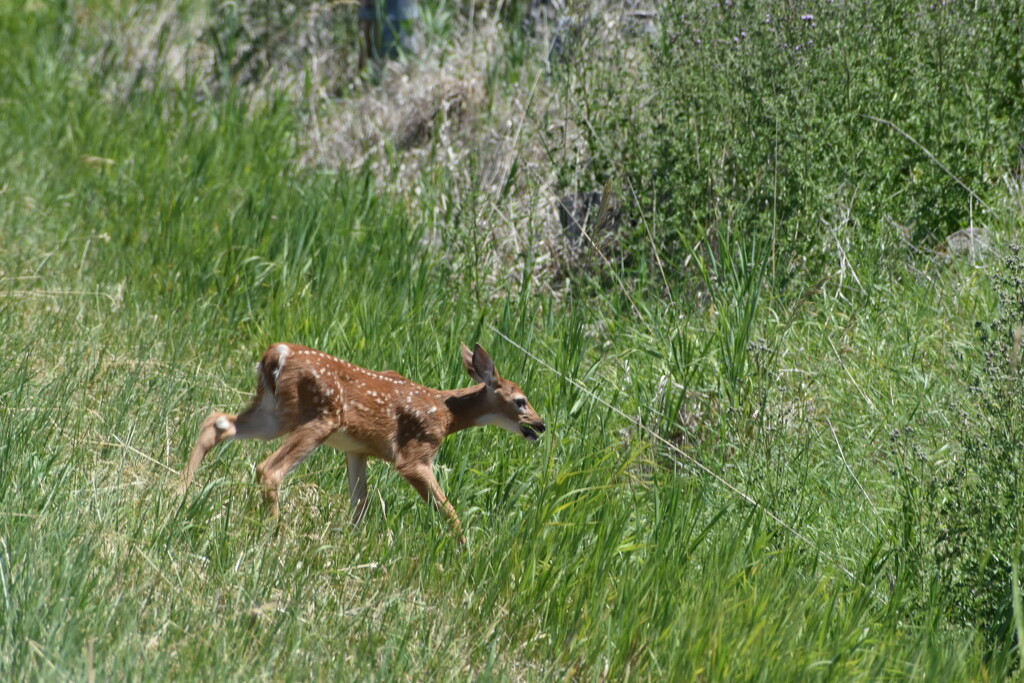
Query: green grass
[[136, 294]]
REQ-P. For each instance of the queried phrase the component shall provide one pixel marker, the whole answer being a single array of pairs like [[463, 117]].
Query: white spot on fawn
[[282, 354], [222, 423]]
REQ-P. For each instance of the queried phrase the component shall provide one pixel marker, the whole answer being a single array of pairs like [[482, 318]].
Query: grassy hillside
[[760, 464]]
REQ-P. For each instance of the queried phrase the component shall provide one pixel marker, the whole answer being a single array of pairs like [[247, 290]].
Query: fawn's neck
[[466, 406]]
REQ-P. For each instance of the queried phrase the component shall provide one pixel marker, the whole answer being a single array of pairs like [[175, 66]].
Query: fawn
[[315, 399]]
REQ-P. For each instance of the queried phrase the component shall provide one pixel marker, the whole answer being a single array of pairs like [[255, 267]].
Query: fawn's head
[[507, 405]]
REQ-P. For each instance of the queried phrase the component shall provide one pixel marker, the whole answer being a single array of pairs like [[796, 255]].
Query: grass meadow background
[[778, 448]]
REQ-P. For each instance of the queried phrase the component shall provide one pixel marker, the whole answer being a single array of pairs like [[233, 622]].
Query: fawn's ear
[[479, 365]]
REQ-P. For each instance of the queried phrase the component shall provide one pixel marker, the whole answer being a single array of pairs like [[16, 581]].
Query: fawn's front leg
[[420, 473], [357, 486]]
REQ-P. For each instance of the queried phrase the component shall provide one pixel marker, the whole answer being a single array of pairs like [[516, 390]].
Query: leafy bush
[[980, 502], [784, 122]]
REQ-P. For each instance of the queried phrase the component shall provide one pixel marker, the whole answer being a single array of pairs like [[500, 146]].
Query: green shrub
[[978, 501], [782, 123]]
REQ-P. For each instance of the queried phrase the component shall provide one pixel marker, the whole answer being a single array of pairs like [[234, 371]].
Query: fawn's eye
[[520, 402]]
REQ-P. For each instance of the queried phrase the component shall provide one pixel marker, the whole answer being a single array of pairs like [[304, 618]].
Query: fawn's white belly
[[344, 441]]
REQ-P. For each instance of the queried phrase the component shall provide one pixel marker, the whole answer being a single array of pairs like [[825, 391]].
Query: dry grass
[[438, 115], [433, 114]]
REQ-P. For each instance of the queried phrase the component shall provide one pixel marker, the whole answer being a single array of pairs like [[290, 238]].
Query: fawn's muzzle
[[533, 430]]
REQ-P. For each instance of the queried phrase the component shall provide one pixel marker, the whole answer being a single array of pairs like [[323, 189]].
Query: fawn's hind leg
[[260, 421], [216, 428], [297, 446]]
